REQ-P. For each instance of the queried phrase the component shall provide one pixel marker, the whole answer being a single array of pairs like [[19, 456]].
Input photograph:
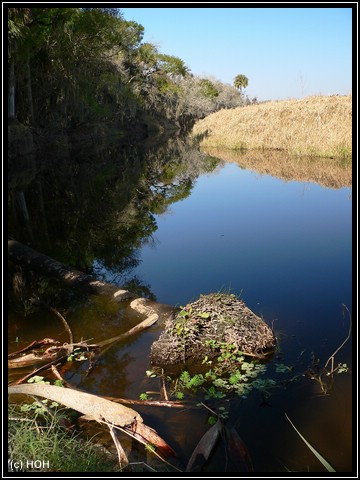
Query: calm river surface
[[285, 247]]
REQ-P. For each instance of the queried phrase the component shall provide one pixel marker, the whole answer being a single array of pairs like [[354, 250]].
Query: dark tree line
[[73, 66]]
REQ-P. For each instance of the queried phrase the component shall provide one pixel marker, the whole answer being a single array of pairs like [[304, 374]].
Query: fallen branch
[[110, 341], [125, 401], [37, 370], [52, 353], [100, 410], [138, 328], [57, 352], [44, 265], [33, 345]]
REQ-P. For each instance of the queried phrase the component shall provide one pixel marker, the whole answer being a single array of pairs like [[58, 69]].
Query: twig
[[37, 370], [20, 419], [163, 390], [59, 377], [136, 437], [110, 341], [123, 460], [343, 343], [138, 328], [66, 325], [32, 346], [151, 403]]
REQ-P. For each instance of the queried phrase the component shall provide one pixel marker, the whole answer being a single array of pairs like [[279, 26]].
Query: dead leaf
[[147, 435], [204, 448], [238, 456]]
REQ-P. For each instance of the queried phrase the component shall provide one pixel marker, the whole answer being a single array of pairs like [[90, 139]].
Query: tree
[[172, 66], [18, 19], [208, 89], [240, 82]]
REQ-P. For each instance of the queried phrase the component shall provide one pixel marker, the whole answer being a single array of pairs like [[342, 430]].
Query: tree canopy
[[70, 66]]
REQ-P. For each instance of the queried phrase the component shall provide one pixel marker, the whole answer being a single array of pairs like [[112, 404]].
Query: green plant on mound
[[228, 373], [40, 443]]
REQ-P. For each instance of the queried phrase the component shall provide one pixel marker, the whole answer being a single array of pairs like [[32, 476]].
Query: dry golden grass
[[314, 126], [331, 173]]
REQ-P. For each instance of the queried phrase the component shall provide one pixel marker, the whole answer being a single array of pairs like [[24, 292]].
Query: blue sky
[[284, 52]]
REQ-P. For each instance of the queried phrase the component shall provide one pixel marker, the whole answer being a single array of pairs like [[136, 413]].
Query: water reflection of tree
[[94, 208]]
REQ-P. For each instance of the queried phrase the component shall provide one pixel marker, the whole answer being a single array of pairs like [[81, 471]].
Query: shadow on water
[[98, 209]]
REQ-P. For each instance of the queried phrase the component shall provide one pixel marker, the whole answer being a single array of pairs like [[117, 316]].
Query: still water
[[285, 247]]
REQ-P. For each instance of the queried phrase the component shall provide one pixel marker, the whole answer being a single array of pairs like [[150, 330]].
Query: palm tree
[[240, 82]]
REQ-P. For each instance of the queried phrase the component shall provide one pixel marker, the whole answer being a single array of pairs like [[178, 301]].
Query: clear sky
[[284, 52]]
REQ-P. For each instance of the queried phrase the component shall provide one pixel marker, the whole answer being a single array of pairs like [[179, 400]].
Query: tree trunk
[[28, 258], [11, 113], [44, 265], [42, 210], [29, 90], [21, 200]]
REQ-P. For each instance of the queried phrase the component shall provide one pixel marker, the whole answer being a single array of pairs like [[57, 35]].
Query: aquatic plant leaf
[[327, 465], [204, 448]]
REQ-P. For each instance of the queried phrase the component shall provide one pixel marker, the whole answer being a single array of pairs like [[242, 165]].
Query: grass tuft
[[43, 442]]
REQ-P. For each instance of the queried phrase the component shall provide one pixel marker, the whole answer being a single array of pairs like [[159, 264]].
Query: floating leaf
[[204, 448]]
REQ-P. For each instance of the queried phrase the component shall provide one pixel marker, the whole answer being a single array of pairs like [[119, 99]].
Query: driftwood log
[[31, 259], [199, 329], [42, 264]]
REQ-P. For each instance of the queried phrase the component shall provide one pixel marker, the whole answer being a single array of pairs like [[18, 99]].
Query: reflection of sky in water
[[285, 245]]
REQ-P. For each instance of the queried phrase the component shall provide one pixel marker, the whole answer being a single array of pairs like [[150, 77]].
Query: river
[[175, 223]]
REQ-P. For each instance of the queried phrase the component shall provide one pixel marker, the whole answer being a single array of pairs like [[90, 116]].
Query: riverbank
[[314, 126]]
